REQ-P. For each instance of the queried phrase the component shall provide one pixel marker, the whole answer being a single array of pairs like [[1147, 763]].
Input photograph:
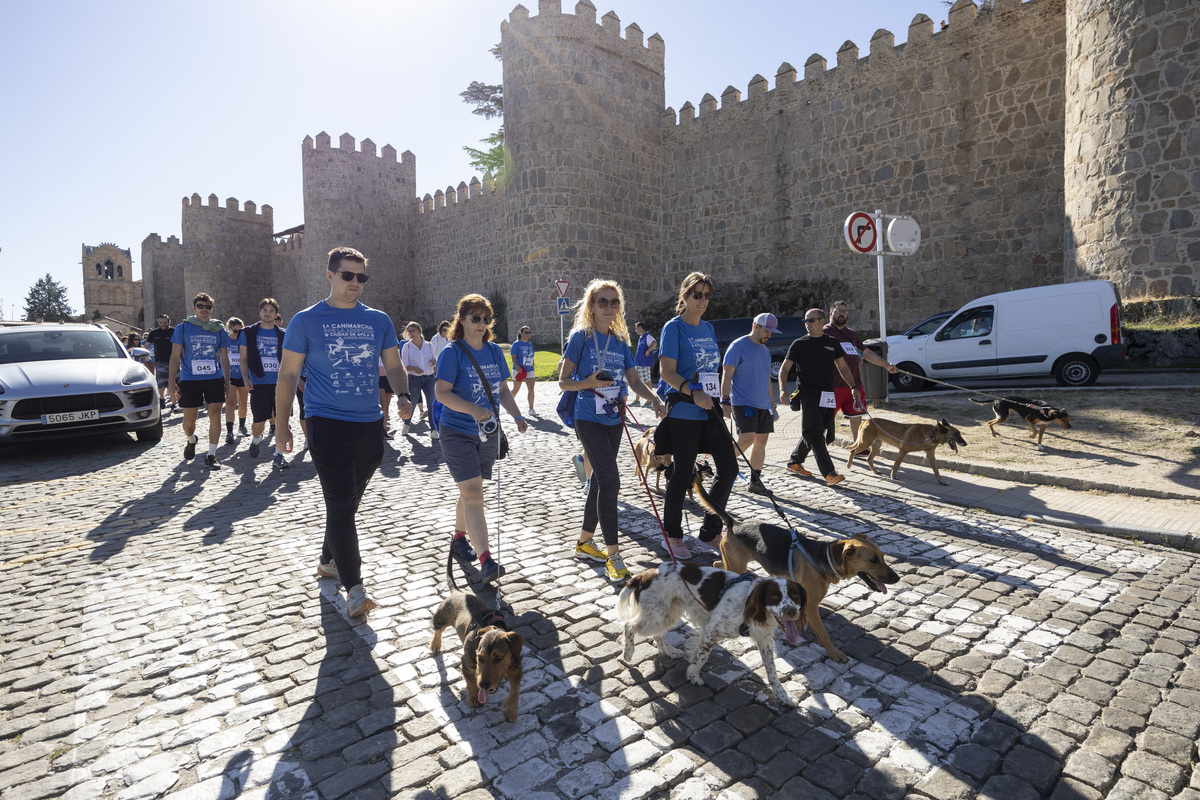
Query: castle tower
[[109, 289], [163, 265], [1132, 194], [362, 199], [227, 251], [582, 115]]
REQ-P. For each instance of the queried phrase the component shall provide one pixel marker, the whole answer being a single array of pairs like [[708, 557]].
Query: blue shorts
[[162, 373], [466, 457]]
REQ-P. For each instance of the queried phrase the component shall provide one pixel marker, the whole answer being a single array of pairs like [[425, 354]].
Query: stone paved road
[[163, 635]]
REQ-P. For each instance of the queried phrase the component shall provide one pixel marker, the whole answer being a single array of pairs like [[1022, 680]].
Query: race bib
[[528, 362], [270, 365], [204, 368], [606, 399], [849, 349], [828, 400], [710, 384], [235, 358]]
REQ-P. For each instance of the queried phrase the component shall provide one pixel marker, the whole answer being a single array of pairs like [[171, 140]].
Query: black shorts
[[262, 401], [238, 382], [749, 419], [383, 384], [193, 394], [300, 397]]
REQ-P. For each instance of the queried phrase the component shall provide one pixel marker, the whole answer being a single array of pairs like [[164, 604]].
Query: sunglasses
[[203, 306], [702, 295], [604, 302], [814, 319], [523, 333], [348, 276], [475, 319]]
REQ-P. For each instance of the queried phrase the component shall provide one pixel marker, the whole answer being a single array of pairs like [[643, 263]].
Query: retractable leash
[[963, 388]]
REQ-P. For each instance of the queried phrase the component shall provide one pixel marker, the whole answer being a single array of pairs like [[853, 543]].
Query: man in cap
[[746, 394]]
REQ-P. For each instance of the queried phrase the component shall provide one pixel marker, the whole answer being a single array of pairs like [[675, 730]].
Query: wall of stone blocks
[[961, 129], [228, 253], [294, 289], [1133, 144], [163, 265]]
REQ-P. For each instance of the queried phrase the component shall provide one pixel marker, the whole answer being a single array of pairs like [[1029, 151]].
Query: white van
[[1070, 331]]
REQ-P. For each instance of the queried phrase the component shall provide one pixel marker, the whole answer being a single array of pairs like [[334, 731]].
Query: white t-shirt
[[438, 343], [420, 357]]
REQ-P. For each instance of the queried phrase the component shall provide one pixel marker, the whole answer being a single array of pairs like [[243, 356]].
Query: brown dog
[[1038, 414], [643, 451], [490, 652], [907, 438]]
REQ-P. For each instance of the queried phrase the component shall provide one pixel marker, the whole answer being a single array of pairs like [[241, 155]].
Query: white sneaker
[[404, 429]]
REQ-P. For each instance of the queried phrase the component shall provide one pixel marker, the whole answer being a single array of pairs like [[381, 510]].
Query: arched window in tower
[[99, 269], [119, 270], [108, 269]]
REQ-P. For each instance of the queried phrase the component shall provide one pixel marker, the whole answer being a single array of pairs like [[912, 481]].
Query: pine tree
[[47, 300], [488, 99]]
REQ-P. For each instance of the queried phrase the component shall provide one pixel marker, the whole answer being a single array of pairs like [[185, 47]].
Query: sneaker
[[357, 602], [461, 547], [490, 571], [588, 549], [242, 430], [279, 462], [830, 480], [404, 429], [211, 462], [577, 460], [189, 450], [614, 565], [796, 469], [757, 487], [713, 544], [388, 433], [254, 449], [328, 570], [229, 438], [434, 435], [272, 431], [677, 548]]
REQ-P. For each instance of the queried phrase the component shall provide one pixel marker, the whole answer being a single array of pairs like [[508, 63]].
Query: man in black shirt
[[815, 356], [160, 339]]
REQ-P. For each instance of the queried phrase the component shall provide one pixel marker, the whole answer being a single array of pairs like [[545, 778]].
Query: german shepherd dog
[[643, 452], [816, 565], [490, 652], [1037, 413], [907, 438]]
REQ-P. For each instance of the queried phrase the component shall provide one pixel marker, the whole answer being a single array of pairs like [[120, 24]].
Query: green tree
[[47, 300], [488, 99]]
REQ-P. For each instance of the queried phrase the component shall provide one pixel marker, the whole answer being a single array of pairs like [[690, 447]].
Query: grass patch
[[61, 751], [545, 363]]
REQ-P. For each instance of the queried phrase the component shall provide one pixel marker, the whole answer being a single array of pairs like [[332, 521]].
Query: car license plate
[[69, 416]]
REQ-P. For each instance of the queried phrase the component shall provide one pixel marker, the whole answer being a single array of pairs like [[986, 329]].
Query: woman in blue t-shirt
[[599, 343], [689, 362], [470, 451]]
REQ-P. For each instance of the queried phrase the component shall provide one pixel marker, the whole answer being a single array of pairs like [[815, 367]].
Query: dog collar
[[487, 619], [797, 544]]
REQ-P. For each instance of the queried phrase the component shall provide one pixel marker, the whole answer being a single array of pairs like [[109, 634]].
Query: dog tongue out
[[483, 695], [790, 631]]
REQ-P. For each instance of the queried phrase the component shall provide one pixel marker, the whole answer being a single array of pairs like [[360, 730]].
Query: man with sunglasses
[[815, 357], [337, 343], [746, 394], [522, 361], [160, 340], [199, 373]]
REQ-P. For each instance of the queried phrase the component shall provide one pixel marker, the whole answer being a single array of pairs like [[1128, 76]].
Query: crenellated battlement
[[964, 22], [346, 146], [286, 244], [154, 240], [231, 210], [550, 21], [475, 192]]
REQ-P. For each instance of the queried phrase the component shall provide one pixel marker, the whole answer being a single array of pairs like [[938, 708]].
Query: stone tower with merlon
[[1132, 167], [109, 289], [228, 252], [582, 116]]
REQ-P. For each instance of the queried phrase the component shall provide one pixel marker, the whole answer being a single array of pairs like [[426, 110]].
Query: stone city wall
[[228, 255], [163, 264]]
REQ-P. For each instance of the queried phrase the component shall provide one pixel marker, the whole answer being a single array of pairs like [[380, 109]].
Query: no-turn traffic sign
[[861, 232]]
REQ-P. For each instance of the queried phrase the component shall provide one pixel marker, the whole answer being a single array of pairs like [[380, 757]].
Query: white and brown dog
[[718, 604]]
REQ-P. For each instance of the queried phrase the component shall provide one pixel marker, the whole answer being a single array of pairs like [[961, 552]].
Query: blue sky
[[115, 111]]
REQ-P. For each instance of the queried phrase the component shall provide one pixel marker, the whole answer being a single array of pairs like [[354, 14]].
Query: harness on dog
[[732, 582], [487, 618], [801, 544]]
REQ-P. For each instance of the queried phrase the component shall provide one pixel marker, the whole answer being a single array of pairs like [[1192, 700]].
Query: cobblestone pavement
[[164, 635]]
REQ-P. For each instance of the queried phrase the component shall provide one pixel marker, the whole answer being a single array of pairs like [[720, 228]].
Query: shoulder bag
[[502, 448]]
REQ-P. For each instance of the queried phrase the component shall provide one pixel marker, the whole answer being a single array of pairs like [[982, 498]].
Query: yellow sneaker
[[614, 565], [588, 549]]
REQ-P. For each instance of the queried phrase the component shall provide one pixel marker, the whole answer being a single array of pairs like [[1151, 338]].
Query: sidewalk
[[1014, 493]]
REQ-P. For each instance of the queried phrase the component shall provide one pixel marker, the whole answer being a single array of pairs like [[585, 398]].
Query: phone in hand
[[604, 375]]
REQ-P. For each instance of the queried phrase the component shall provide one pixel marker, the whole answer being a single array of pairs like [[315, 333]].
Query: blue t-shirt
[[751, 362], [455, 368], [643, 358], [201, 359], [581, 351], [268, 353], [694, 348], [522, 356], [341, 348], [235, 359]]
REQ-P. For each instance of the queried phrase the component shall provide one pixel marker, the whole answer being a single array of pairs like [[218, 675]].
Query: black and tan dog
[[643, 452], [1037, 413], [815, 565], [490, 652], [907, 438]]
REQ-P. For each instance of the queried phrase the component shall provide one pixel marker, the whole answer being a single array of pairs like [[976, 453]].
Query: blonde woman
[[599, 347], [689, 362], [469, 451]]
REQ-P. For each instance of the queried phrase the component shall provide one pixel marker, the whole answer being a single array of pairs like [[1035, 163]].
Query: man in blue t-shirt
[[260, 346], [338, 343], [746, 394], [199, 373]]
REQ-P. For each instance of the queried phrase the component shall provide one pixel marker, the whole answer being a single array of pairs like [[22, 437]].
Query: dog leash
[[963, 388]]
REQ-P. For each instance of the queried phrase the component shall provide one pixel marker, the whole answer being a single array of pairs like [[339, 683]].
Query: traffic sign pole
[[882, 310]]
